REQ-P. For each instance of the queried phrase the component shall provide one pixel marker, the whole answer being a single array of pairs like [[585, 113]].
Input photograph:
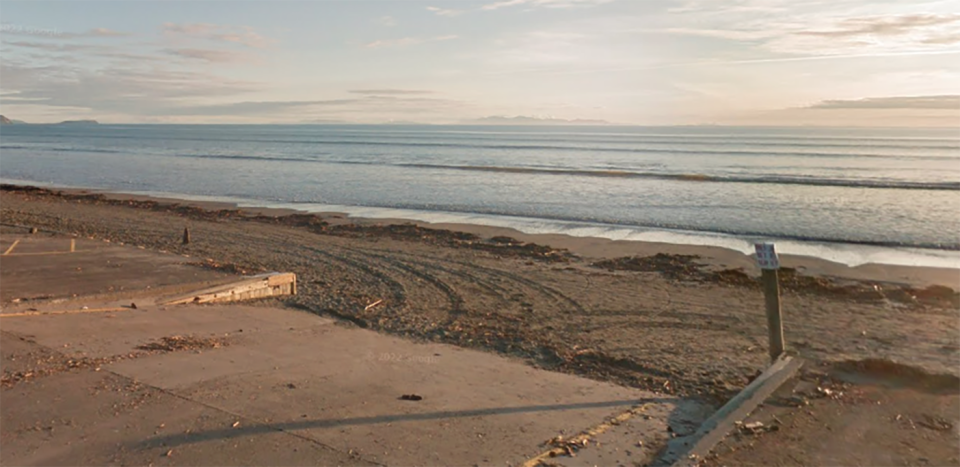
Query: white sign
[[767, 256]]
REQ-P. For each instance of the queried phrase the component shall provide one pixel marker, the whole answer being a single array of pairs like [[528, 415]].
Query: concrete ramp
[[94, 373]]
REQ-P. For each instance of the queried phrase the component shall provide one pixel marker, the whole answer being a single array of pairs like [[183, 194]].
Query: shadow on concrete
[[241, 431]]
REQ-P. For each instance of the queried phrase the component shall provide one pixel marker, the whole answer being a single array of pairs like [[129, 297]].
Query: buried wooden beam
[[248, 288], [721, 423]]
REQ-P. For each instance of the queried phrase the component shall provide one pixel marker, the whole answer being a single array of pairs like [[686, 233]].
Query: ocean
[[851, 195]]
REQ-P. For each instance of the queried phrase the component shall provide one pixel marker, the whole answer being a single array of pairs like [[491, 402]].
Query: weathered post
[[186, 236], [770, 277]]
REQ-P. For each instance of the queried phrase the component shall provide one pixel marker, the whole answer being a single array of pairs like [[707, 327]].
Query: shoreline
[[851, 254], [713, 256], [699, 310]]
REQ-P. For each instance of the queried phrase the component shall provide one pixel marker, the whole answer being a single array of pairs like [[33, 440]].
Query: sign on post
[[770, 276], [767, 256]]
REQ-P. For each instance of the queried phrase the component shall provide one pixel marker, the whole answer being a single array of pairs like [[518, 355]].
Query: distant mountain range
[[524, 120], [6, 121], [79, 122]]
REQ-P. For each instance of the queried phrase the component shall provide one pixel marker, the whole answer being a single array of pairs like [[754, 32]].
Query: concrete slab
[[292, 371], [43, 266], [282, 386], [103, 415], [102, 335]]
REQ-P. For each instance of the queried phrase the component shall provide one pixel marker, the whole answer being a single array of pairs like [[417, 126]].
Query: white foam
[[843, 253]]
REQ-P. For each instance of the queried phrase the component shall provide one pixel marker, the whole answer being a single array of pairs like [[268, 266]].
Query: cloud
[[406, 41], [528, 3], [718, 33], [388, 21], [112, 90], [62, 52], [10, 29], [104, 32], [945, 39], [388, 92], [883, 25], [544, 3], [817, 32], [253, 107], [242, 35], [209, 55], [53, 46], [387, 106], [444, 11], [946, 102]]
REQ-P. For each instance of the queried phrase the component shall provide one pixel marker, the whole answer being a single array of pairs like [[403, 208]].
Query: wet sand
[[672, 318]]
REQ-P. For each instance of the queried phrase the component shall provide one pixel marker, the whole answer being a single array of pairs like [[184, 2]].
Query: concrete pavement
[[279, 386]]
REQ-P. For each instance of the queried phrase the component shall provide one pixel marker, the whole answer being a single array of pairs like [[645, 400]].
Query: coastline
[[601, 309], [723, 252]]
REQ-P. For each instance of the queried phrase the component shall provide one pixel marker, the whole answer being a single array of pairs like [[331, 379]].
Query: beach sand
[[672, 318]]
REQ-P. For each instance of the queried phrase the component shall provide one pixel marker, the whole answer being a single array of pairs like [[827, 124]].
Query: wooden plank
[[15, 242], [64, 312], [262, 285], [771, 296], [721, 423]]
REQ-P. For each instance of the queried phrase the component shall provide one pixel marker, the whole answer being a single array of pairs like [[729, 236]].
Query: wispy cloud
[[104, 32], [255, 107], [948, 102], [242, 35], [389, 107], [518, 3], [53, 46], [388, 92], [112, 90], [944, 39], [209, 55], [388, 21], [444, 11], [10, 29], [544, 3], [813, 33], [406, 41], [883, 25]]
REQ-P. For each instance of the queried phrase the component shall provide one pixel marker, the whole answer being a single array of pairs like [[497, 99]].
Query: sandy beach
[[674, 318]]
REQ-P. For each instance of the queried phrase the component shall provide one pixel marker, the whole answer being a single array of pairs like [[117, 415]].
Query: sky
[[638, 62]]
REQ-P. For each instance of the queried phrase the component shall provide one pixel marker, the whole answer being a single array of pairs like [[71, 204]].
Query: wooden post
[[186, 236], [770, 277], [771, 294]]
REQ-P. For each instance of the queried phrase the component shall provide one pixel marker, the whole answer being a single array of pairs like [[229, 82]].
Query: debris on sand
[[756, 428], [175, 343], [686, 268], [500, 245], [229, 268], [678, 267], [935, 423], [887, 372], [49, 363], [411, 397]]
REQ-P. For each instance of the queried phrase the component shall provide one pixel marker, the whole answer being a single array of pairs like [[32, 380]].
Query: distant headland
[[7, 121], [79, 122]]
